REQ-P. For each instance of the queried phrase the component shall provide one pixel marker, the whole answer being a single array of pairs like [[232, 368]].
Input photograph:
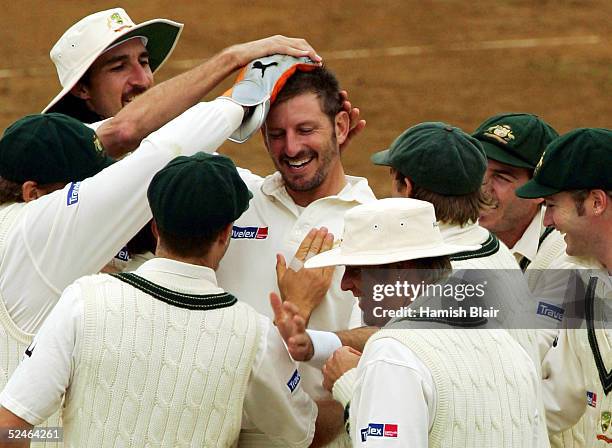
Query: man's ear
[[81, 91], [599, 201], [226, 233], [30, 191], [341, 124]]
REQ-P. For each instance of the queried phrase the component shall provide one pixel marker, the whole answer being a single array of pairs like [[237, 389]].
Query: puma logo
[[30, 349], [263, 67]]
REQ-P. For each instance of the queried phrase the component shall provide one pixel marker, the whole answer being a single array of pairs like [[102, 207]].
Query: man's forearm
[[330, 422], [160, 104], [356, 337]]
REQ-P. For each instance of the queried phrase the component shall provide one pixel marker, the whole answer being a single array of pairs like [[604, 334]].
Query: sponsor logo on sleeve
[[73, 193], [294, 381], [551, 311], [592, 399], [379, 430], [249, 233], [123, 254]]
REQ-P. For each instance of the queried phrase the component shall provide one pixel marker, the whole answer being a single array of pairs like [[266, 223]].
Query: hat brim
[[494, 152], [381, 158], [532, 190], [335, 257], [162, 36]]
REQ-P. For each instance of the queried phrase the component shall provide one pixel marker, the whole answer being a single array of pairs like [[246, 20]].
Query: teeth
[[298, 163]]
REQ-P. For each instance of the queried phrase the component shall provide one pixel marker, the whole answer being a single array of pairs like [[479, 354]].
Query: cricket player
[[105, 62], [64, 212], [163, 356], [429, 382], [514, 143], [574, 179]]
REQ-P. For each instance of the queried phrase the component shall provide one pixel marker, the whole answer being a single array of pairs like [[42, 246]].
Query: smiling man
[[304, 133], [105, 61], [573, 177]]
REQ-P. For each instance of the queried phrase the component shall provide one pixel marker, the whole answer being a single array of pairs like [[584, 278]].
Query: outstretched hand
[[292, 328], [246, 52], [343, 360], [356, 125], [306, 288]]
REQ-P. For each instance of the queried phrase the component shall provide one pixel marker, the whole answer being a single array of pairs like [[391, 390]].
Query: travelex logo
[[552, 311], [378, 430], [293, 382], [123, 254], [250, 233], [73, 193], [592, 399]]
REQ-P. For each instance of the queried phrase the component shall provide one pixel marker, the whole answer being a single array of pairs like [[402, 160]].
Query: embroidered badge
[[500, 132]]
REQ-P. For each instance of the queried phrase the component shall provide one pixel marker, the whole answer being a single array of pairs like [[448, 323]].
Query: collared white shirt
[[36, 388], [528, 243], [274, 224]]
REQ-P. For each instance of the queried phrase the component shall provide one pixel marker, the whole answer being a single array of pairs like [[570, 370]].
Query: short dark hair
[[76, 107], [459, 210], [10, 191], [579, 196], [320, 81], [190, 246]]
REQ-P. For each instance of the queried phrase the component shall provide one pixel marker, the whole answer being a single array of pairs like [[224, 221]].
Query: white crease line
[[364, 53]]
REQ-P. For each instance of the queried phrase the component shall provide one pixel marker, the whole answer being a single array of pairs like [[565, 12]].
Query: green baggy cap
[[50, 148], [578, 160], [516, 139], [438, 157], [191, 195]]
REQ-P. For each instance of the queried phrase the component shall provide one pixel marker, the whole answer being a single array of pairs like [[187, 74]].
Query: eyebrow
[[508, 173], [124, 57]]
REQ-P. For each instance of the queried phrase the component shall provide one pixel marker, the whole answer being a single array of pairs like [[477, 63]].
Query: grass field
[[403, 62]]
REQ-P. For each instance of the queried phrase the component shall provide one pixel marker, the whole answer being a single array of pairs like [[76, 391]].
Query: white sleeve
[[324, 344], [35, 390], [275, 402], [77, 230], [563, 386], [394, 400]]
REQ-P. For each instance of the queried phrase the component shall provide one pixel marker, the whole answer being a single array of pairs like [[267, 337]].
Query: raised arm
[[160, 104]]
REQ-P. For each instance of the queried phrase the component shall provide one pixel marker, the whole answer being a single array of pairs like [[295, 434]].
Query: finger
[[354, 351], [347, 107], [277, 306], [317, 242], [305, 245], [281, 267], [300, 324]]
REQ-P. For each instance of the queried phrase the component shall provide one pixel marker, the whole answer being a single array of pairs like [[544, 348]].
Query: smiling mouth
[[298, 164]]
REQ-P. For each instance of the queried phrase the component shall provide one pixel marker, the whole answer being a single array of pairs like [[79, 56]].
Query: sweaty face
[[509, 212], [302, 143], [562, 214], [116, 77]]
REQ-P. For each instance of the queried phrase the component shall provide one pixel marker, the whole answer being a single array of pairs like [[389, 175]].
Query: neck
[[208, 260], [334, 182], [511, 236], [604, 255]]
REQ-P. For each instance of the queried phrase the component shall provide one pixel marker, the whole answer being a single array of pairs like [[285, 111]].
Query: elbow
[[120, 138]]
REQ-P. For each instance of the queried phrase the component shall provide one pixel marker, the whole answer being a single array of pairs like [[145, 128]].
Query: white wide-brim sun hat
[[388, 231], [91, 36]]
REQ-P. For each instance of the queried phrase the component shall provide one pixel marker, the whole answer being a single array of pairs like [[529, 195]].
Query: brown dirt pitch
[[403, 62]]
